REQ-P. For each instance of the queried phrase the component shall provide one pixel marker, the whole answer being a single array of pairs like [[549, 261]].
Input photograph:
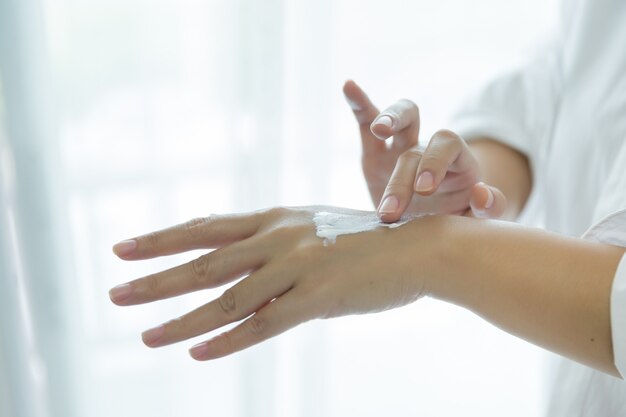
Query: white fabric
[[618, 312], [612, 230], [566, 110]]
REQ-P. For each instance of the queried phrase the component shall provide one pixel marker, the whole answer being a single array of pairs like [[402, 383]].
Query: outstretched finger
[[487, 201], [280, 315], [200, 233], [235, 304], [365, 112], [208, 271], [402, 120]]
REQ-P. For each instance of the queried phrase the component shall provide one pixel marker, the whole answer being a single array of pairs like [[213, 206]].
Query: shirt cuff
[[618, 317]]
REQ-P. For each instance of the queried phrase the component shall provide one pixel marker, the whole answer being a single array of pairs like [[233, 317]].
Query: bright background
[[119, 117]]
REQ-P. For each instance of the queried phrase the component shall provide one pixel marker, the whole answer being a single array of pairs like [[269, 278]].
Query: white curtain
[[118, 117]]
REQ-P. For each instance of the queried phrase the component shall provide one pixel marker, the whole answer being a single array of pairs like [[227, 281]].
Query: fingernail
[[199, 351], [125, 247], [121, 292], [149, 337], [384, 120], [424, 182], [490, 197], [390, 205]]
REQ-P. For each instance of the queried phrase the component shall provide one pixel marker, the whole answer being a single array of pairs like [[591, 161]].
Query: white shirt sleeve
[[618, 317], [518, 108], [612, 230]]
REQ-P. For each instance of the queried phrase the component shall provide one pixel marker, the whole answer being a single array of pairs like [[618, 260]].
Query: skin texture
[[551, 290]]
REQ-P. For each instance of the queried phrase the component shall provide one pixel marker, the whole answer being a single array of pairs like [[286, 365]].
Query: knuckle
[[408, 104], [431, 160], [397, 184], [152, 240], [225, 342], [194, 227], [280, 233], [411, 154], [448, 138], [200, 270], [227, 302], [179, 326], [153, 284], [303, 253], [256, 325], [447, 134], [272, 214], [277, 211], [435, 163]]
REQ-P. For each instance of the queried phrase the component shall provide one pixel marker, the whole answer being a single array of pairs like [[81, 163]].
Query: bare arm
[[551, 290]]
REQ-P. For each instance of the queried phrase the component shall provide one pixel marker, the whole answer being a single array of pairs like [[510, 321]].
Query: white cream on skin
[[330, 225]]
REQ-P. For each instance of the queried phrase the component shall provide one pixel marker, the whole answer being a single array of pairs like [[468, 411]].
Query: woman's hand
[[442, 178], [293, 276], [513, 276]]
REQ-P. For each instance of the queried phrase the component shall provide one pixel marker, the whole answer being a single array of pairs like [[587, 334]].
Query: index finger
[[365, 112], [446, 153], [200, 233]]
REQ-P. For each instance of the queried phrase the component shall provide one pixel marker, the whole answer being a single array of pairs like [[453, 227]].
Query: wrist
[[453, 249], [428, 253]]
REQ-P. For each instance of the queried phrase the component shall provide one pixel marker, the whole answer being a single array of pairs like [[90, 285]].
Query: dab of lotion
[[330, 225]]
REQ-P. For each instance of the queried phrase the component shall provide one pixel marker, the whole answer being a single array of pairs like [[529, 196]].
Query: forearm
[[506, 169], [551, 290]]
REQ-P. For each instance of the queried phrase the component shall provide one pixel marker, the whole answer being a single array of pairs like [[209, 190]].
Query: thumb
[[487, 201]]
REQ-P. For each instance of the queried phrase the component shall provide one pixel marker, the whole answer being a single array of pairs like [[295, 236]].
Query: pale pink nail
[[125, 247], [120, 293], [199, 351], [384, 120], [390, 205], [150, 336], [424, 182]]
